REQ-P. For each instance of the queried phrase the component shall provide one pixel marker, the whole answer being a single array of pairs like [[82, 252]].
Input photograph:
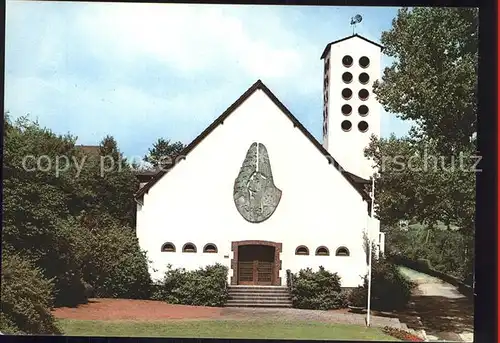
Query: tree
[[59, 215], [433, 79], [429, 175], [415, 183], [36, 198], [163, 153]]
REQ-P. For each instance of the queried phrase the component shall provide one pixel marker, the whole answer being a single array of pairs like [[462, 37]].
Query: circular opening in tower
[[364, 62], [346, 110], [347, 61], [346, 125], [363, 110], [346, 93], [347, 77], [363, 126], [363, 94], [364, 78]]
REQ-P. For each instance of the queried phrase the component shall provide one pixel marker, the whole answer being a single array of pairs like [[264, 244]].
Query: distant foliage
[[317, 290], [27, 298], [163, 153], [445, 250], [202, 287]]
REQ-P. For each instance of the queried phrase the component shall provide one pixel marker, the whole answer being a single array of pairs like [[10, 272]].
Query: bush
[[390, 289], [358, 297], [116, 267], [27, 298], [317, 290], [202, 287]]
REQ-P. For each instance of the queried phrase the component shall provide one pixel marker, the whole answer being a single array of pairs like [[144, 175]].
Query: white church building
[[258, 193]]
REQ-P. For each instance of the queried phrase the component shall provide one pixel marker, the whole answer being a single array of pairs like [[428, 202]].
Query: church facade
[[258, 193]]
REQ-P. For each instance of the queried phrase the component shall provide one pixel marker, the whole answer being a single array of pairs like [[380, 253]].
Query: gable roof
[[259, 85], [323, 55]]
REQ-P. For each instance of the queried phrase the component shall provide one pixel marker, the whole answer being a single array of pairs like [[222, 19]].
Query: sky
[[139, 72]]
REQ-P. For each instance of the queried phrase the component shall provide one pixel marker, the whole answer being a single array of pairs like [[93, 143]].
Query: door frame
[[276, 279]]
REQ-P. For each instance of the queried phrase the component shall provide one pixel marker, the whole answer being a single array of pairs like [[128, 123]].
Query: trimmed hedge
[[202, 287], [27, 298], [317, 290]]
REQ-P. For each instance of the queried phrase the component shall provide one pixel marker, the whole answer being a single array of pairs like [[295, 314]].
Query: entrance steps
[[259, 296]]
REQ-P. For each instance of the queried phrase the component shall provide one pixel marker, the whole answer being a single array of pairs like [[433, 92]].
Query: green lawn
[[256, 329]]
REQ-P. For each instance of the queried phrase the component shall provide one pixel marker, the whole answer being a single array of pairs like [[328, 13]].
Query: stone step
[[271, 305], [257, 290], [259, 297], [284, 288], [256, 294], [259, 301]]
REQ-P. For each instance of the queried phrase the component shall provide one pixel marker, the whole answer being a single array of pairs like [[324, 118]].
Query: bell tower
[[351, 113]]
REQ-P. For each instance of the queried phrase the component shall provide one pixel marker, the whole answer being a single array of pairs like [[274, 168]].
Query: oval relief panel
[[255, 195]]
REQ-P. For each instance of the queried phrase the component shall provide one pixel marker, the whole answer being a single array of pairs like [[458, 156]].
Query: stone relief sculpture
[[255, 195]]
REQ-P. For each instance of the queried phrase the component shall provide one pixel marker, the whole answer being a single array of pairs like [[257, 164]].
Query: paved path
[[444, 313]]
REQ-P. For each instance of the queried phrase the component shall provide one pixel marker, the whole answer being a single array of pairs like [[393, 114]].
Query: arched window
[[168, 247], [189, 247], [342, 251], [302, 250], [322, 251], [210, 248]]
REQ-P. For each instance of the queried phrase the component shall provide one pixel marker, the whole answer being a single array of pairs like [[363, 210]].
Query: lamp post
[[368, 226]]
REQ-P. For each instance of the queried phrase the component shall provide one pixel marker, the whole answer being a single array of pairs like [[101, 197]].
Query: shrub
[[27, 298], [202, 287], [317, 290], [390, 289], [358, 297], [116, 267]]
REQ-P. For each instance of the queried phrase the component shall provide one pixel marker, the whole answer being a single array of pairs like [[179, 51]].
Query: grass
[[251, 329]]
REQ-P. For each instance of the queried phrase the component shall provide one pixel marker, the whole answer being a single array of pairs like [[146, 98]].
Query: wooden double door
[[256, 265]]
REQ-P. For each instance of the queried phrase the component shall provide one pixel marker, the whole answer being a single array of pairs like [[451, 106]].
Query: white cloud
[[75, 64], [194, 39]]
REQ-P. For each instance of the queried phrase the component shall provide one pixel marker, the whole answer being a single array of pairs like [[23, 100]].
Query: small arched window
[[189, 247], [342, 251], [168, 247], [322, 251], [210, 248], [302, 250]]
